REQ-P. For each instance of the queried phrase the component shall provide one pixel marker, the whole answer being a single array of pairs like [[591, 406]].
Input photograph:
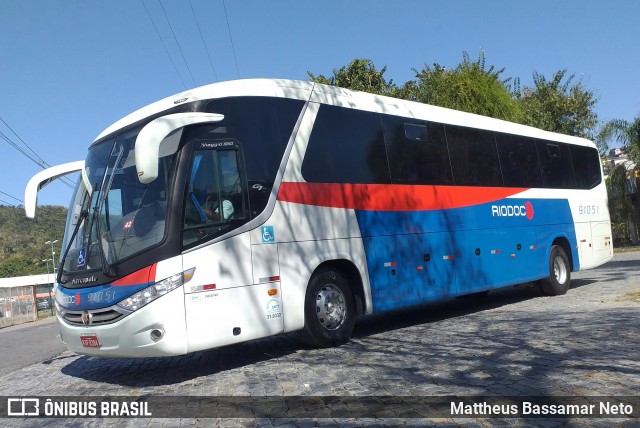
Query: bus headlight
[[151, 293]]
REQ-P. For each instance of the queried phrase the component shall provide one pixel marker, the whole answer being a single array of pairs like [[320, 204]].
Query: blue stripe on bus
[[97, 297], [420, 256]]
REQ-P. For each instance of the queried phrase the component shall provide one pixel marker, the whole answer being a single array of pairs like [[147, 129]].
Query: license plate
[[90, 341]]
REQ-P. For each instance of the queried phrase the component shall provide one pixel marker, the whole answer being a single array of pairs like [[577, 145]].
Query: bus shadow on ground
[[150, 372], [452, 308]]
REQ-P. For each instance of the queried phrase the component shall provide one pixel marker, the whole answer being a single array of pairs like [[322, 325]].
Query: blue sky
[[68, 69]]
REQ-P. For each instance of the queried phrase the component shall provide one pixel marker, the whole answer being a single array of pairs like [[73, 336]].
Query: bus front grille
[[92, 317]]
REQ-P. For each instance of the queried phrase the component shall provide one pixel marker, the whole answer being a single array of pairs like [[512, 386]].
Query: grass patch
[[617, 250]]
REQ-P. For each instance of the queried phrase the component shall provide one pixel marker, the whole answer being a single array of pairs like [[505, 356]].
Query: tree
[[624, 133], [557, 105], [22, 240], [18, 266], [469, 87], [359, 75], [621, 208]]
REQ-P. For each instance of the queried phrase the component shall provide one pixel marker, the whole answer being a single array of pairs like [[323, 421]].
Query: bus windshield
[[113, 215]]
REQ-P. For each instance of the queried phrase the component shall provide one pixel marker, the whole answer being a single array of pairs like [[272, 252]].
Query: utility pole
[[48, 287], [53, 254]]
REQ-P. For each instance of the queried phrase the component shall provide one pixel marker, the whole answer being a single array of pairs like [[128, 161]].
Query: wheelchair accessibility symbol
[[82, 257], [267, 234]]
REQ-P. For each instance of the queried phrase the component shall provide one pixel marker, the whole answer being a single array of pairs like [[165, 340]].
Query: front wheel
[[329, 310], [559, 279]]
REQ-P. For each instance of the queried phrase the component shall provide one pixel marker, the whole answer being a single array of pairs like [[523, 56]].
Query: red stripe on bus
[[142, 276], [390, 197]]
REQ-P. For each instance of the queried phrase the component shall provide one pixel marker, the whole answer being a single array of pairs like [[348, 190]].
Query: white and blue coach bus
[[249, 208]]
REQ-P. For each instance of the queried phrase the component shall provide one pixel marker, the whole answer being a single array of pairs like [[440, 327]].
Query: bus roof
[[314, 92], [248, 87]]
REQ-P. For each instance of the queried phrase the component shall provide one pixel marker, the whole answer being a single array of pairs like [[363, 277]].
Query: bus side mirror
[[147, 151], [43, 178]]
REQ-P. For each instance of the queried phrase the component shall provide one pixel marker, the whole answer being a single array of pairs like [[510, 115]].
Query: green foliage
[[620, 206], [22, 240], [557, 105], [359, 75], [624, 133], [469, 87]]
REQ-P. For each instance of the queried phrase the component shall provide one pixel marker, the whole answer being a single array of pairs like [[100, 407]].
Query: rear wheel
[[559, 279], [328, 309]]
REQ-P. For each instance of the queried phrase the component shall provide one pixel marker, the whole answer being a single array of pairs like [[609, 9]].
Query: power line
[[37, 159], [215, 77], [5, 202], [177, 43], [163, 44], [6, 194], [15, 146], [14, 133], [202, 38], [230, 37]]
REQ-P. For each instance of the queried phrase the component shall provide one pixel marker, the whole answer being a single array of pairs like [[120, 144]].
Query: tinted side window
[[346, 146], [263, 126], [555, 164], [417, 151], [518, 161], [586, 165], [474, 158]]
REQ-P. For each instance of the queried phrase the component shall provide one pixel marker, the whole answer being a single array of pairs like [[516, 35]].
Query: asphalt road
[[25, 344], [513, 343]]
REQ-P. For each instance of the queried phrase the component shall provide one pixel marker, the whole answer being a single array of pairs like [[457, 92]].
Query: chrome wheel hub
[[560, 270], [331, 307]]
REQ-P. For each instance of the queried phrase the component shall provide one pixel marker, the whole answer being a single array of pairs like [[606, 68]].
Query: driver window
[[214, 194], [222, 197]]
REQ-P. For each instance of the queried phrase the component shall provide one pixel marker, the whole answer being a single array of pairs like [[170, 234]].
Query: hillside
[[22, 240]]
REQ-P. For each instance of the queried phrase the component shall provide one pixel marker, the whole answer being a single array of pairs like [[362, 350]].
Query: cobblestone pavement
[[513, 342]]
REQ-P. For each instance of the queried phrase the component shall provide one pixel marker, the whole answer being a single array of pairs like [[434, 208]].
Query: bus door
[[223, 304], [218, 299]]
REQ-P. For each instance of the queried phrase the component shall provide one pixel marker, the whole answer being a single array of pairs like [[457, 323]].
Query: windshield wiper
[[107, 270], [83, 215]]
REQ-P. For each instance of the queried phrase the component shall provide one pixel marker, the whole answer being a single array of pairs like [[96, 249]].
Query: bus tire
[[329, 309], [559, 279]]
